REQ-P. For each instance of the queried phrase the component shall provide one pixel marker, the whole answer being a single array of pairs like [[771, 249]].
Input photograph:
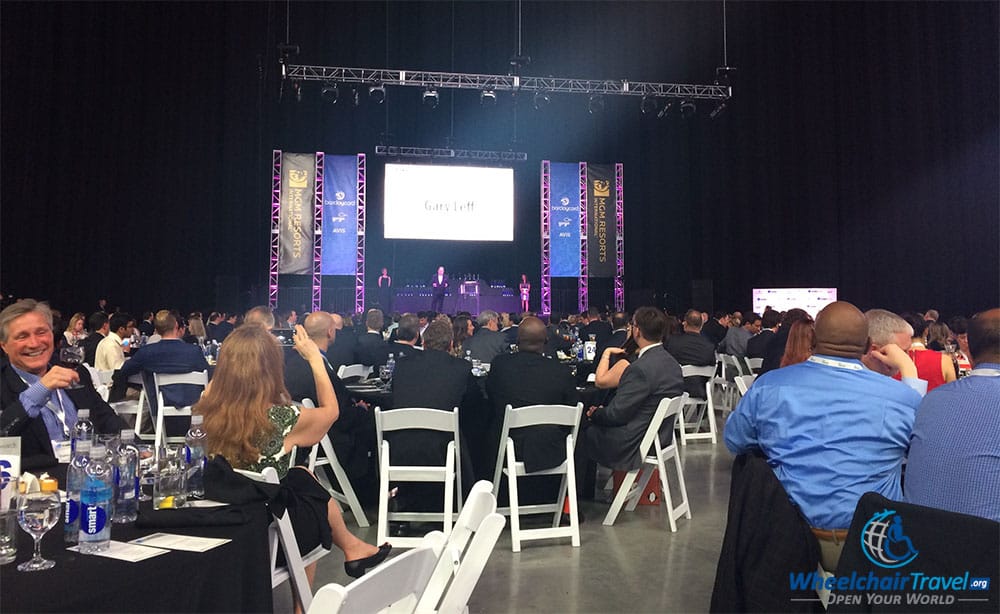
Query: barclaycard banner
[[340, 215], [295, 238], [601, 230], [564, 219]]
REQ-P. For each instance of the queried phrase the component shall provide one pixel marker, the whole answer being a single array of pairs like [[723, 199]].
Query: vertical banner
[[298, 176], [340, 215], [601, 254], [564, 219]]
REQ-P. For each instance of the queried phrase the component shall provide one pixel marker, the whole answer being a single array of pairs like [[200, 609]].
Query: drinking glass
[[70, 357], [385, 375], [170, 481], [38, 512], [147, 471]]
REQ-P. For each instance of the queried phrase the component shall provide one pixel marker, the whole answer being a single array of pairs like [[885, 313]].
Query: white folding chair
[[360, 371], [744, 382], [755, 364], [394, 586], [535, 415], [725, 383], [197, 378], [281, 534], [125, 408], [655, 454], [450, 474], [695, 409], [465, 553], [348, 495]]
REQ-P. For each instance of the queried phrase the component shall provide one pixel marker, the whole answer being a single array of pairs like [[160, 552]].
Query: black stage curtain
[[860, 149]]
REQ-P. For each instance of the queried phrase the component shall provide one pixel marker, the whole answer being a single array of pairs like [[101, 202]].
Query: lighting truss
[[511, 83], [445, 152]]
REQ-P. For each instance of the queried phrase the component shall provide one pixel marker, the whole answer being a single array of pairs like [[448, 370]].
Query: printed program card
[[172, 541]]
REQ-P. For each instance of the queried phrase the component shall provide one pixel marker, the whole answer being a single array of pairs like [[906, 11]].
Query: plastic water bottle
[[96, 500], [75, 474], [82, 430], [391, 365], [468, 355], [194, 453], [127, 479]]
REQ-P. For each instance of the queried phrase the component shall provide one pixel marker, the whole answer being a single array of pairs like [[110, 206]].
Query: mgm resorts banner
[[295, 239], [601, 229], [564, 219], [340, 215]]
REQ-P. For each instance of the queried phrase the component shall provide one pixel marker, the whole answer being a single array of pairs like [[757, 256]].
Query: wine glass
[[385, 375], [71, 357], [147, 471], [38, 512]]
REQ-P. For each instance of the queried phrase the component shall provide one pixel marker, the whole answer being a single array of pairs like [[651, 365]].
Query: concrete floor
[[637, 565]]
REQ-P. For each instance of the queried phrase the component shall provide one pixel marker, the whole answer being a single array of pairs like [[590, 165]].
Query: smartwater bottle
[[391, 365], [82, 430], [96, 500], [195, 456], [75, 475], [126, 479]]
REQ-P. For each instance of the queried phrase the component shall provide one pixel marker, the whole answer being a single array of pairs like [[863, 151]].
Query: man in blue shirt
[[954, 461], [830, 428]]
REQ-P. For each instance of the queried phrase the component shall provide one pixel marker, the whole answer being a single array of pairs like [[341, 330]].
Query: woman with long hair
[[75, 332], [934, 367], [250, 420], [801, 342], [524, 289], [462, 329]]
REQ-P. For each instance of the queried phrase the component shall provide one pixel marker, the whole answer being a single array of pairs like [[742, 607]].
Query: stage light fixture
[[431, 98], [666, 110], [329, 93], [297, 88], [541, 100], [717, 111], [377, 93], [688, 109], [596, 104], [648, 105], [488, 98], [355, 96]]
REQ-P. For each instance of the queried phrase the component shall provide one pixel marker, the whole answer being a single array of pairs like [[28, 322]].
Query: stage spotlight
[[666, 110], [719, 110], [330, 93], [541, 100], [595, 104], [688, 109], [488, 98], [297, 88], [377, 93], [431, 98], [648, 105]]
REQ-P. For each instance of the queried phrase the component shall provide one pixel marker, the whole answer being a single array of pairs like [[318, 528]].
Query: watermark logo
[[884, 543]]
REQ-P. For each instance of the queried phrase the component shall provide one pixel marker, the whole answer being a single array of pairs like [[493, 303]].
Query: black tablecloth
[[234, 577]]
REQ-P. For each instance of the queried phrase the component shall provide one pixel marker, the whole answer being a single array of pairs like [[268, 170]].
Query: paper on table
[[204, 503], [127, 552], [172, 541]]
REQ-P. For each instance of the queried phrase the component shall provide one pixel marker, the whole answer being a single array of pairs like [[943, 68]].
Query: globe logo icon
[[564, 200], [340, 195], [884, 543]]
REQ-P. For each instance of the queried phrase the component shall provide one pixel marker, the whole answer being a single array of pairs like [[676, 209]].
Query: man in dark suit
[[146, 326], [619, 333], [776, 346], [509, 323], [99, 326], [692, 348], [341, 351], [353, 433], [371, 349], [37, 402], [435, 379], [597, 327], [439, 285], [529, 378], [487, 342], [615, 430], [558, 334], [169, 355], [715, 329], [757, 345], [407, 337]]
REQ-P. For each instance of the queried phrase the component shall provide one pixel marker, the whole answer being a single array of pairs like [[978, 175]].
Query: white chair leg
[[349, 494], [710, 410], [449, 489], [645, 476], [685, 503], [557, 516], [665, 487], [383, 497], [620, 497], [570, 479], [515, 512]]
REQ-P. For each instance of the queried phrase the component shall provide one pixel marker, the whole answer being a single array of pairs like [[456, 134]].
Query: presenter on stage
[[525, 288], [440, 285], [385, 292]]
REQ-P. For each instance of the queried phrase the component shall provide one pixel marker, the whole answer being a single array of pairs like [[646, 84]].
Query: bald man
[[830, 428], [353, 434]]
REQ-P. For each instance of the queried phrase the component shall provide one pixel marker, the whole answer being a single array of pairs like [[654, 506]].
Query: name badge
[[62, 450]]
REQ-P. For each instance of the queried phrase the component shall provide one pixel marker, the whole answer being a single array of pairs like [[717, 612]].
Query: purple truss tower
[[272, 281], [582, 297], [619, 239], [317, 280], [546, 281], [359, 274]]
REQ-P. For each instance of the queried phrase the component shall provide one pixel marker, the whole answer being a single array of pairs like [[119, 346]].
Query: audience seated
[[757, 345], [111, 350], [715, 329], [36, 400], [371, 349], [954, 460], [341, 352], [735, 341], [487, 342], [692, 348], [462, 329], [250, 422], [595, 326], [830, 428], [407, 337], [776, 346], [75, 332], [100, 326], [934, 367], [800, 344], [890, 337]]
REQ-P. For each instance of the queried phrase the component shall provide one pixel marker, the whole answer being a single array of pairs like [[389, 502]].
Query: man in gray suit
[[612, 438], [487, 342]]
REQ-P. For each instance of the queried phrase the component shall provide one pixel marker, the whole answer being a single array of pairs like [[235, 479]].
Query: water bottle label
[[72, 511], [136, 487], [187, 454], [116, 475], [93, 519]]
